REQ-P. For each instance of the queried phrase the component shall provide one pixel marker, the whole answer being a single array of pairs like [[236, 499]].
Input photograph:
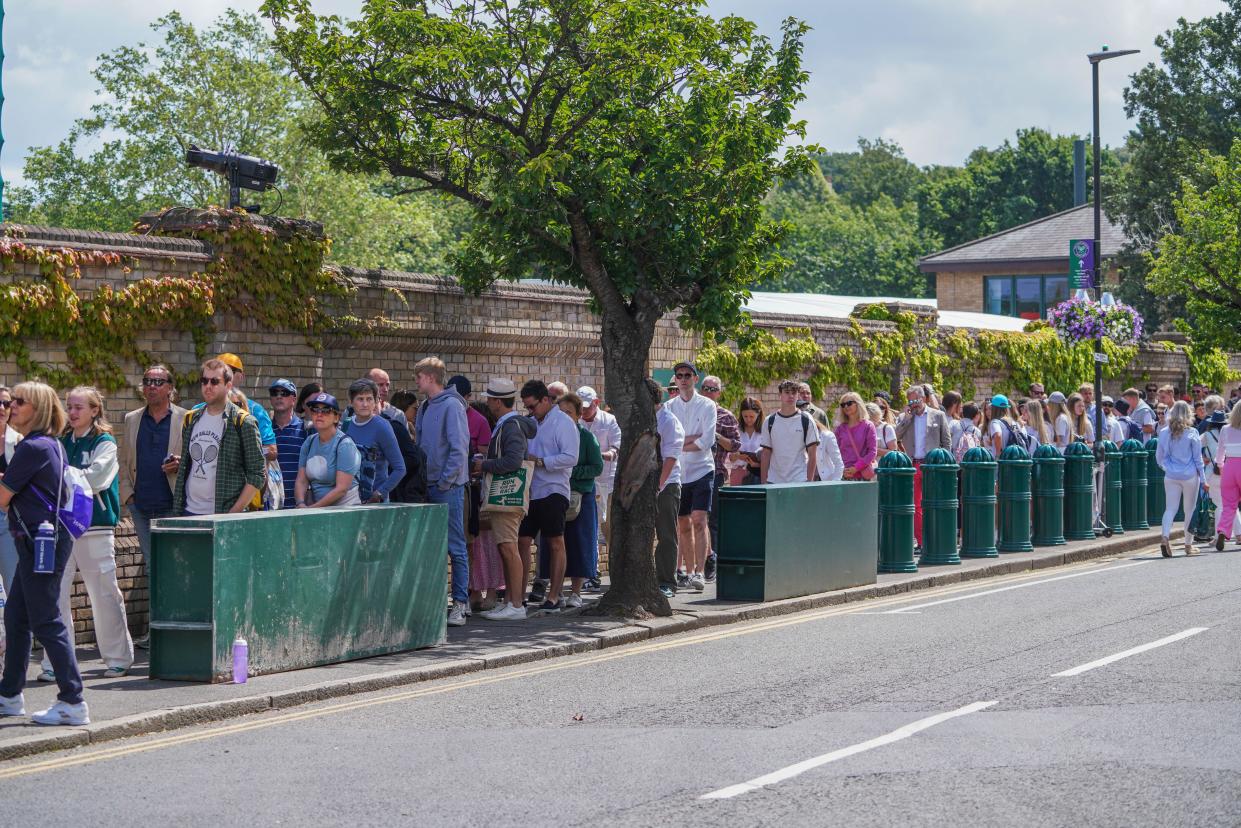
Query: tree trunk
[[631, 563]]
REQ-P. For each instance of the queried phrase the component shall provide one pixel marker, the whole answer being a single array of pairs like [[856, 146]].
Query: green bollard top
[[1108, 447], [1151, 445], [1132, 446], [1014, 454], [1048, 453], [1079, 450], [977, 456], [939, 457], [895, 461]]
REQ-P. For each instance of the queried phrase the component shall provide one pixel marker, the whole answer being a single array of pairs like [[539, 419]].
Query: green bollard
[[1155, 497], [1014, 497], [1078, 492], [1047, 483], [1113, 488], [896, 513], [1133, 479], [978, 504], [939, 509]]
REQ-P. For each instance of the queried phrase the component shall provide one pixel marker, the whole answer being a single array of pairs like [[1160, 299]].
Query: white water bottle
[[241, 661], [45, 549]]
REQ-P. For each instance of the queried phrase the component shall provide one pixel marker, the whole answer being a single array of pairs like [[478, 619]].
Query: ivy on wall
[[874, 358], [276, 278]]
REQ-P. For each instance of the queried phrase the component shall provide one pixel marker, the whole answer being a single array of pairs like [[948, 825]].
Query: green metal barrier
[[1156, 499], [1047, 483], [1133, 479], [1014, 497], [939, 509], [1078, 492], [303, 587], [1113, 488], [978, 504], [896, 513], [792, 539]]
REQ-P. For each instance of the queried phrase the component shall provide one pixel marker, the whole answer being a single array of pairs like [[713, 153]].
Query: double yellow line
[[749, 628]]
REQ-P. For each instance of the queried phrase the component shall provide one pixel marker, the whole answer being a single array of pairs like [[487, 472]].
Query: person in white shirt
[[697, 416], [1140, 413], [554, 450], [1059, 419], [829, 463], [668, 499], [1113, 428], [608, 432], [790, 442]]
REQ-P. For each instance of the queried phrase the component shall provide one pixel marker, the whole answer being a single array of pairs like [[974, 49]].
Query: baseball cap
[[1056, 397], [587, 395], [462, 385], [232, 361], [284, 384], [684, 364], [999, 401], [323, 398], [1108, 401], [500, 388]]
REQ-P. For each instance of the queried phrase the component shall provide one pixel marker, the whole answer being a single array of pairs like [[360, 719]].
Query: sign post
[[1082, 263]]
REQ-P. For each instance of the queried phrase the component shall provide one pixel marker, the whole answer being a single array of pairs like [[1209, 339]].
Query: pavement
[[1104, 693], [136, 705]]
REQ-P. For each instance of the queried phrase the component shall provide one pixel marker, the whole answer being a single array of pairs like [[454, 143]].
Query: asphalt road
[[999, 702]]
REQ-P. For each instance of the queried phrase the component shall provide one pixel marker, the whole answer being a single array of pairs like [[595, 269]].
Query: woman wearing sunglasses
[[327, 472], [29, 490], [8, 444], [855, 434]]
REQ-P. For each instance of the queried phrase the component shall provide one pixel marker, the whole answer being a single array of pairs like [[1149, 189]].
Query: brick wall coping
[[129, 244]]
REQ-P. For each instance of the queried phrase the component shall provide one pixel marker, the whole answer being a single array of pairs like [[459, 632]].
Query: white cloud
[[939, 76]]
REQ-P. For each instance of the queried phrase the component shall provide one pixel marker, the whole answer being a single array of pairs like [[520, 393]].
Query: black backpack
[[1020, 437], [413, 486], [805, 425]]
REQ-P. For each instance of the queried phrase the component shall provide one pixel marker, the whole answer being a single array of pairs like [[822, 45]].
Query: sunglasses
[[280, 392], [683, 375], [154, 382], [711, 388], [17, 401], [320, 409], [6, 403], [211, 381], [848, 404]]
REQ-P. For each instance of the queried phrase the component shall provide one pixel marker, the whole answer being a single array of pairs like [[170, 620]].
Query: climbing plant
[[875, 356]]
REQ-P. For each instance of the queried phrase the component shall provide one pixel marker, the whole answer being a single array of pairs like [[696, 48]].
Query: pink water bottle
[[241, 661]]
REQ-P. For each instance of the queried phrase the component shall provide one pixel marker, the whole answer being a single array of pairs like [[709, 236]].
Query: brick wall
[[520, 331]]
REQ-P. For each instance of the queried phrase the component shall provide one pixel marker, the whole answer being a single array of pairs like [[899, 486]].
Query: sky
[[939, 77]]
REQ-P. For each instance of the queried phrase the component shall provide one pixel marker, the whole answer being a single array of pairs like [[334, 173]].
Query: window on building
[[1027, 297]]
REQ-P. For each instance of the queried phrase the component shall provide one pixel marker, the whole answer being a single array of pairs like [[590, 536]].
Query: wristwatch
[[538, 463]]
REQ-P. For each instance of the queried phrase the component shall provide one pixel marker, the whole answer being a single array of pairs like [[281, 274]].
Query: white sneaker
[[13, 705], [62, 713], [574, 600], [456, 616], [508, 612], [697, 583]]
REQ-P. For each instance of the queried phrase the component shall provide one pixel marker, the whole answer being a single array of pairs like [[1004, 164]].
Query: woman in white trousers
[[1179, 454]]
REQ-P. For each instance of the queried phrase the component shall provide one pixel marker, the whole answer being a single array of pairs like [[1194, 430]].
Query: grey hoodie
[[444, 435], [509, 444]]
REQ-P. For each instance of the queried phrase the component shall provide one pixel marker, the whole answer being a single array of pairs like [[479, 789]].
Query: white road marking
[[1103, 569], [1118, 656], [801, 767]]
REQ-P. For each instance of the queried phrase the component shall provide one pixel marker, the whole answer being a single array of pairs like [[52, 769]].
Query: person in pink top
[[856, 437], [486, 570], [1228, 458]]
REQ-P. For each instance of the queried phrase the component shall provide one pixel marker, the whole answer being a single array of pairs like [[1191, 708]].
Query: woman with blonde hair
[[9, 438], [91, 447], [1079, 422], [855, 435], [1059, 421], [1179, 454], [885, 432], [29, 491], [1036, 422]]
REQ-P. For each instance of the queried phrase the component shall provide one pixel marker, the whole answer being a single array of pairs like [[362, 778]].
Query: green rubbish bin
[[978, 504], [1113, 488], [1015, 500], [939, 509], [791, 539], [303, 587], [1047, 482], [1078, 492], [1156, 498], [1133, 479], [896, 513]]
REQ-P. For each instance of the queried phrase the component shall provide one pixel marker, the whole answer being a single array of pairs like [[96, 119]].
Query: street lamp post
[[1095, 59], [1, 106]]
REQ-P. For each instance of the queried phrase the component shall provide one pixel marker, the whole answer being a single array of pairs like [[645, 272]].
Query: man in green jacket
[[221, 453]]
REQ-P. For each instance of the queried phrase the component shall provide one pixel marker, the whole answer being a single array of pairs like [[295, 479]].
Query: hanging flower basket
[[1082, 320]]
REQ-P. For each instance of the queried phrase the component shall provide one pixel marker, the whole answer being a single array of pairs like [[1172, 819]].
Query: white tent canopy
[[839, 307]]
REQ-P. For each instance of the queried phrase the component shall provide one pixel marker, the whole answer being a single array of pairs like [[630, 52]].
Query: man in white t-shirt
[[668, 500], [790, 441], [1140, 413], [1113, 428], [697, 416]]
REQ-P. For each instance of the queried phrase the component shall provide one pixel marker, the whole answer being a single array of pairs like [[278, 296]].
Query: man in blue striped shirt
[[290, 434]]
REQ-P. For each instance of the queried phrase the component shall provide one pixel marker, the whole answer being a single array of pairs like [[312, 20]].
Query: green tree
[[222, 87], [878, 168], [1187, 101], [621, 146], [1200, 262]]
